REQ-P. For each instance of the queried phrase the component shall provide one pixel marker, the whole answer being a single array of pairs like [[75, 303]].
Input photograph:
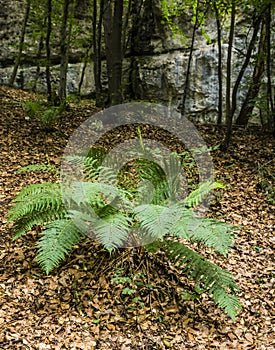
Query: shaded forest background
[[118, 43]]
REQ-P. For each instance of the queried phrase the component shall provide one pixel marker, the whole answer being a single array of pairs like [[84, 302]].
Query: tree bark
[[62, 91], [220, 103], [229, 117], [39, 55], [256, 28], [21, 43], [187, 75], [97, 36], [108, 23], [259, 68], [48, 49], [268, 70], [116, 47]]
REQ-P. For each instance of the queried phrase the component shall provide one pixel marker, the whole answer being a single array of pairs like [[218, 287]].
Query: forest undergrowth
[[130, 300]]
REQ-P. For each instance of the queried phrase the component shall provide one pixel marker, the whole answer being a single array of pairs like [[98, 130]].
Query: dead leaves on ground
[[79, 307]]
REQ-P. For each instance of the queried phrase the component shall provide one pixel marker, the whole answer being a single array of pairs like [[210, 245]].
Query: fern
[[212, 233], [113, 230], [37, 204], [106, 207], [39, 168], [56, 241], [217, 282], [199, 194], [156, 220]]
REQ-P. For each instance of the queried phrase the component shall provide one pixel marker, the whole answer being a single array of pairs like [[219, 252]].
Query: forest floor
[[78, 305]]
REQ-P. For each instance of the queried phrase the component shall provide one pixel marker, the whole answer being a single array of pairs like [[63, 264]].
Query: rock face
[[158, 61]]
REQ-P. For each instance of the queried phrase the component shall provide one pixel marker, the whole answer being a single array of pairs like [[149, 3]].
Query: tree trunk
[[21, 43], [62, 91], [97, 35], [268, 70], [135, 14], [108, 23], [39, 55], [116, 47], [259, 68], [229, 116], [256, 28], [48, 50], [187, 75], [220, 103]]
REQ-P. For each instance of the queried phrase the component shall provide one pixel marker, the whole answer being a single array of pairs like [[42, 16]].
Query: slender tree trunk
[[229, 116], [21, 43], [39, 55], [256, 28], [220, 103], [116, 47], [135, 15], [62, 91], [125, 39], [113, 44], [108, 24], [259, 68], [187, 76], [86, 60], [48, 50], [268, 69], [97, 35]]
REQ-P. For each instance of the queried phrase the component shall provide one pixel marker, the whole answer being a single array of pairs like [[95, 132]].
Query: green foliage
[[47, 114], [39, 168], [265, 178], [57, 240], [211, 278], [103, 206]]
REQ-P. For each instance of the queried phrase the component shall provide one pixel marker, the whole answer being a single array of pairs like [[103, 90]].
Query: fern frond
[[39, 168], [217, 282], [213, 233], [36, 204], [36, 189], [112, 231], [96, 194], [56, 241], [227, 302], [26, 223], [181, 226], [198, 195], [36, 198], [156, 220]]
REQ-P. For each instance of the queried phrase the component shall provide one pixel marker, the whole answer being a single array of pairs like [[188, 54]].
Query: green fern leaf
[[39, 168], [56, 241], [198, 195], [112, 231], [156, 220], [26, 223], [217, 282], [36, 205], [36, 198], [213, 233]]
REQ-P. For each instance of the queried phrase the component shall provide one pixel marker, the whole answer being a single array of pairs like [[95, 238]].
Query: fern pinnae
[[113, 230], [214, 280], [56, 241], [215, 234], [156, 220], [26, 223], [37, 201], [197, 196], [33, 189], [39, 168]]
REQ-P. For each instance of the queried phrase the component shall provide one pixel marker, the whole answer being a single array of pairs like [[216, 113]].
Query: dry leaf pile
[[80, 306]]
